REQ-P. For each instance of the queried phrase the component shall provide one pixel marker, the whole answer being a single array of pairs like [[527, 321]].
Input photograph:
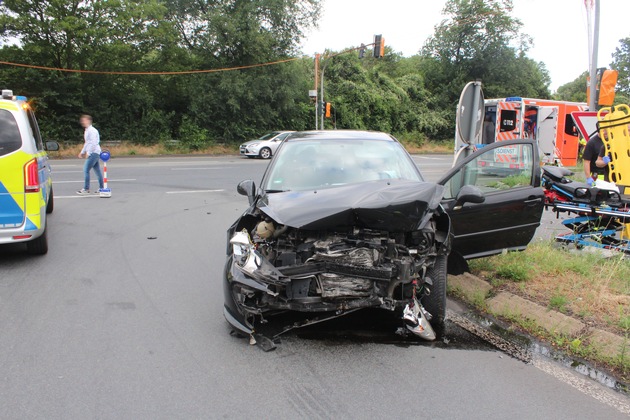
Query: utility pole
[[316, 98], [592, 100], [379, 51], [321, 93]]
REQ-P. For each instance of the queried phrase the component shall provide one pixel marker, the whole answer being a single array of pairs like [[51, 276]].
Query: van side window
[[569, 126], [10, 139], [35, 129]]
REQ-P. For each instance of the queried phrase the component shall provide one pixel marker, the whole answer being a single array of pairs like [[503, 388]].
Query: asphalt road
[[123, 319]]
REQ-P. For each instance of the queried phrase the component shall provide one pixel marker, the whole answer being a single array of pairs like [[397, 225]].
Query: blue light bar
[[21, 98], [513, 99]]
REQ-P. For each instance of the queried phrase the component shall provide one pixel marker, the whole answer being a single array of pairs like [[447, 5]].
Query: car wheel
[[51, 202], [265, 153], [39, 245], [435, 302]]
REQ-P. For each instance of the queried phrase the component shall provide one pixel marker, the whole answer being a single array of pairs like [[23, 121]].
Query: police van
[[26, 191]]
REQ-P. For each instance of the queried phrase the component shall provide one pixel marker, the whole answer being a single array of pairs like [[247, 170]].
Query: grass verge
[[131, 149], [584, 285]]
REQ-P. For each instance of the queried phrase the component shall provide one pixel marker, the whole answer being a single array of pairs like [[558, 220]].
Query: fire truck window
[[508, 120], [569, 126]]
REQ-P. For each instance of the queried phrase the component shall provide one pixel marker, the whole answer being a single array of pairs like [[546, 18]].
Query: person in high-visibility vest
[[591, 152]]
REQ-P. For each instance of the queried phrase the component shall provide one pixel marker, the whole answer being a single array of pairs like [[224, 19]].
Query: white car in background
[[264, 147]]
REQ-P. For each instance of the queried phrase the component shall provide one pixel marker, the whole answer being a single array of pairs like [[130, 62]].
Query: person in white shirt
[[92, 151]]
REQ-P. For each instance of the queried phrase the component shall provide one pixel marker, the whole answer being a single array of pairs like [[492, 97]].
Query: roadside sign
[[586, 122]]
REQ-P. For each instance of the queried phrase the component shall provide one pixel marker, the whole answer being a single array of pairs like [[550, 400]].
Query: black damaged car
[[343, 220]]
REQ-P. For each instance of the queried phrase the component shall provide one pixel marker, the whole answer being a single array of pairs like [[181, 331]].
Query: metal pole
[[321, 94], [592, 101], [316, 98]]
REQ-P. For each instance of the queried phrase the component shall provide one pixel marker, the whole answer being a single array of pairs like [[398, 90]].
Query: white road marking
[[195, 169], [77, 196], [192, 191], [109, 180], [586, 386]]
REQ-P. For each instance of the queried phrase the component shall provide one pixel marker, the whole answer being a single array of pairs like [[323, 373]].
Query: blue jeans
[[92, 163]]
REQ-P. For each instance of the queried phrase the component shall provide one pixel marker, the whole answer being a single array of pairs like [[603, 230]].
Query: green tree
[[574, 91], [480, 40], [621, 63]]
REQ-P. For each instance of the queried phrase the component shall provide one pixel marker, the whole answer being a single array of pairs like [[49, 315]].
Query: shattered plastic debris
[[416, 320]]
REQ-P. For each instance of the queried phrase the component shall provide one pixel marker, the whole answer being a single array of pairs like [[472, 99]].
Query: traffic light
[[327, 107], [362, 51], [379, 46]]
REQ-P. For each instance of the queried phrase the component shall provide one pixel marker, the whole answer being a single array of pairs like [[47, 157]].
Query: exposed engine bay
[[276, 268]]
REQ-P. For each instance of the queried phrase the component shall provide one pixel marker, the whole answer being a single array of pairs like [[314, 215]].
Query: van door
[[546, 132]]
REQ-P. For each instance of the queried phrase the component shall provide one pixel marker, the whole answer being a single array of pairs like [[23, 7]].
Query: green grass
[[558, 302]]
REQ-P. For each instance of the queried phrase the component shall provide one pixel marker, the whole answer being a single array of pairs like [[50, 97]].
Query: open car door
[[494, 208]]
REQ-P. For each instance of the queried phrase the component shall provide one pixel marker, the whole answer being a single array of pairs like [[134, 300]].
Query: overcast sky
[[558, 27]]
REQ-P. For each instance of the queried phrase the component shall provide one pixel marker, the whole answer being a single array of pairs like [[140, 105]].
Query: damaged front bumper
[[256, 289]]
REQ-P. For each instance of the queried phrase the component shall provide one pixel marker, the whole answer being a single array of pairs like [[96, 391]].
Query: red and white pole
[[105, 191]]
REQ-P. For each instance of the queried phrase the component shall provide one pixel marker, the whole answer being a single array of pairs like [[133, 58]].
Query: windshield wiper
[[276, 191]]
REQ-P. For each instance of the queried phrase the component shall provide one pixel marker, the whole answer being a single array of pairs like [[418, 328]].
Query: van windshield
[[10, 139]]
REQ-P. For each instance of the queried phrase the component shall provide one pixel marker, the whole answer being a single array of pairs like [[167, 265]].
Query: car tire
[[51, 202], [265, 153], [39, 245], [435, 302]]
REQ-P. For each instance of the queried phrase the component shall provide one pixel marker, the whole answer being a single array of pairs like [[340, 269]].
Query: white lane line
[[109, 180], [77, 196], [429, 158], [194, 169], [192, 191], [586, 386]]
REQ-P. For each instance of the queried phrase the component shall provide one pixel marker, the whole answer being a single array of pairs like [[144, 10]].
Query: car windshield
[[316, 164], [10, 139], [269, 136]]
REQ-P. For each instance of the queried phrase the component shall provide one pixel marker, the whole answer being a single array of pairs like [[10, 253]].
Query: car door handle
[[533, 201]]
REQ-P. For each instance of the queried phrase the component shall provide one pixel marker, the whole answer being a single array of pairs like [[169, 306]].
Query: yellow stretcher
[[617, 144]]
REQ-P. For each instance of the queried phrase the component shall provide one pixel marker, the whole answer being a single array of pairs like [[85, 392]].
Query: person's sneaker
[[83, 191]]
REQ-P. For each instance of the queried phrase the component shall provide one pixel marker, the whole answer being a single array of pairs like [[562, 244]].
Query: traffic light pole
[[321, 95], [378, 43], [316, 98]]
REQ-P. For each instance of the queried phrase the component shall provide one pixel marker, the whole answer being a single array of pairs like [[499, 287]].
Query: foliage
[[413, 97], [574, 91], [621, 63], [480, 39]]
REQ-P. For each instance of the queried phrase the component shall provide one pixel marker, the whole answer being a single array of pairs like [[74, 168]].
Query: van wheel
[[51, 202], [39, 245]]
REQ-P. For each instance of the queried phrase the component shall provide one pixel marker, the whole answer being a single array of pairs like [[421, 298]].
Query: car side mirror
[[469, 194], [247, 188], [52, 146]]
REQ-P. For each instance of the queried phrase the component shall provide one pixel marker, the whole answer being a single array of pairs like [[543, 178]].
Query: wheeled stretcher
[[602, 215]]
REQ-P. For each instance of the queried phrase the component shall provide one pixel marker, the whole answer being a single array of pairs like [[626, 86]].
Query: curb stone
[[475, 290]]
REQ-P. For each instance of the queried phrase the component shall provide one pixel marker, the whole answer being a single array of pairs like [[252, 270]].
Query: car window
[[35, 130], [269, 136], [497, 170], [282, 136], [317, 164], [10, 139]]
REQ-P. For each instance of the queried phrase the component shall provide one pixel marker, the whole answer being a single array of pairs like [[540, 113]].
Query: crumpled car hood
[[393, 205]]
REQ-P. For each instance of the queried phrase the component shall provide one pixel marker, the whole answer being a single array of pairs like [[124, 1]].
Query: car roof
[[340, 135]]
